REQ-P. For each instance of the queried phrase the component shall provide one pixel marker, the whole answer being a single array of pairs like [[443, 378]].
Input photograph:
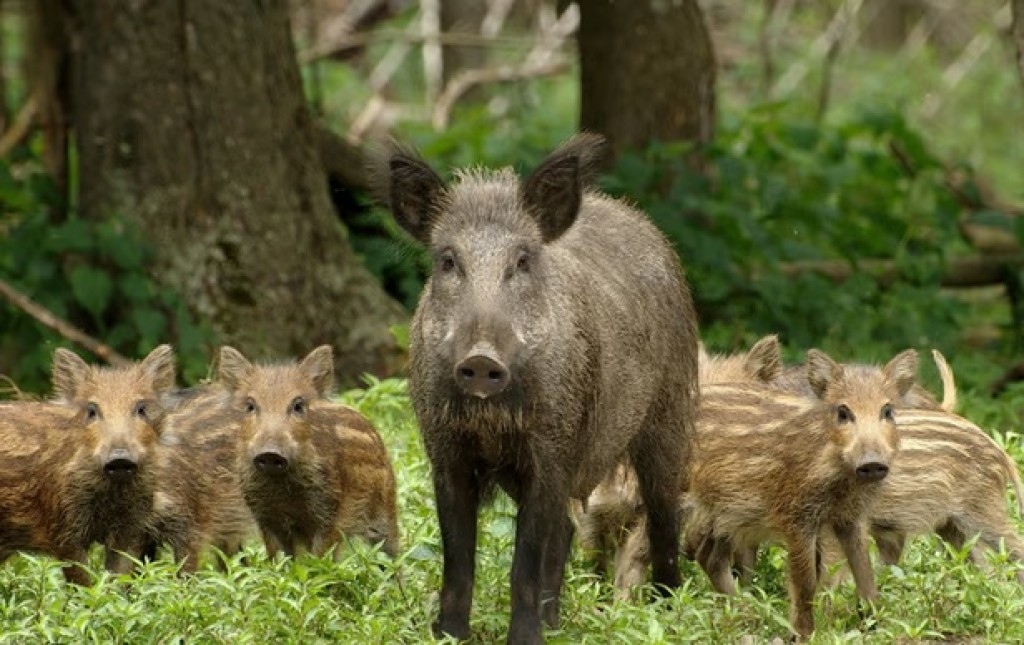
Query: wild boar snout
[[481, 372], [872, 468], [270, 461], [120, 465]]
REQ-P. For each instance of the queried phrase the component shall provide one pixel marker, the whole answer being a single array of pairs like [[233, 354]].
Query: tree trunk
[[190, 119], [1017, 8], [647, 72]]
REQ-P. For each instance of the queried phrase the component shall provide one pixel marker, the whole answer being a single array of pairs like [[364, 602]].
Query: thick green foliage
[[778, 191], [91, 274]]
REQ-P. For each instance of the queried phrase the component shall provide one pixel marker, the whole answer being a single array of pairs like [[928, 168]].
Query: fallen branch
[[20, 127], [973, 195], [62, 327], [958, 272], [470, 78]]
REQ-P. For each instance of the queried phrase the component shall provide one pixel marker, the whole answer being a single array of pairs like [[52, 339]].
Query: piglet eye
[[844, 414], [141, 410], [887, 412], [249, 406], [298, 406], [92, 411]]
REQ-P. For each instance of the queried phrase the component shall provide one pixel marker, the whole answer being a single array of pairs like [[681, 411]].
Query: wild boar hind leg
[[457, 495], [659, 460]]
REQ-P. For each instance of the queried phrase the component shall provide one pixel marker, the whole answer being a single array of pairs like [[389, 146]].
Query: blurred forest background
[[847, 173]]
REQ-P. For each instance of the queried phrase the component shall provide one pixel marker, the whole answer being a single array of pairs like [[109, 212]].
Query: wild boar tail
[[948, 382]]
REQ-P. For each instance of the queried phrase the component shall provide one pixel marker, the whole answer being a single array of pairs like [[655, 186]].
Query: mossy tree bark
[[189, 117], [647, 72]]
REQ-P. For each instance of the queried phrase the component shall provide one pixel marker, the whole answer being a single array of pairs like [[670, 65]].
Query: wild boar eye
[[523, 262], [298, 406], [92, 411], [447, 262], [249, 406], [887, 412], [141, 410], [844, 414]]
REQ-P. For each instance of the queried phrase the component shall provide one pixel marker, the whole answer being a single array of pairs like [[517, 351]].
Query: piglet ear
[[554, 192], [69, 372], [901, 371], [233, 368], [764, 360], [159, 367], [319, 365], [822, 372]]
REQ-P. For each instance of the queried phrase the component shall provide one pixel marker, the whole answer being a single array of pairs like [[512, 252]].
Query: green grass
[[934, 595]]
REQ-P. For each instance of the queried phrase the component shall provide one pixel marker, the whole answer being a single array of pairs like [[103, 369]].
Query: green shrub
[[93, 274]]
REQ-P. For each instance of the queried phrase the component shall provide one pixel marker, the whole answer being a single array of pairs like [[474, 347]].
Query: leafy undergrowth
[[936, 594]]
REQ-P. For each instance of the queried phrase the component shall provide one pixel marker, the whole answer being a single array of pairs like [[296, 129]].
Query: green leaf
[[92, 289], [151, 325]]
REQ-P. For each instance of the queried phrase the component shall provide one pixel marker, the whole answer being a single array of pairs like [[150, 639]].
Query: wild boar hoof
[[442, 628]]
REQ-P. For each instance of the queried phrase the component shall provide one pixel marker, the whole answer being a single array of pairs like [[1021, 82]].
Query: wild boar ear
[[413, 191], [822, 371], [69, 372], [233, 367], [764, 360], [159, 367], [319, 364], [554, 192], [901, 371]]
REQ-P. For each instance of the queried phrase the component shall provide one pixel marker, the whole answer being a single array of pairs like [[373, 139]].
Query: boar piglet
[[612, 523], [555, 335], [94, 480], [783, 467], [37, 443], [313, 472], [950, 479], [199, 501]]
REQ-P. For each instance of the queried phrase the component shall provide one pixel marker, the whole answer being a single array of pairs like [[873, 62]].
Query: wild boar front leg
[[852, 538], [75, 571], [802, 565], [556, 552], [540, 509], [458, 499]]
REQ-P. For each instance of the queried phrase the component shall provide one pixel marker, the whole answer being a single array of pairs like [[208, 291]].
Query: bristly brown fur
[[950, 479], [339, 482], [199, 498], [777, 466], [57, 498], [612, 523]]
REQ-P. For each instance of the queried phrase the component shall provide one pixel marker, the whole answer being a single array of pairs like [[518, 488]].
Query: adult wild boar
[[555, 335]]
